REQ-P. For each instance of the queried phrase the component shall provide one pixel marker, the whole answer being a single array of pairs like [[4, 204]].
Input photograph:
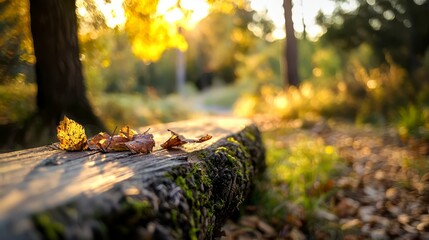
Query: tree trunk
[[291, 50], [304, 30], [180, 72], [61, 89]]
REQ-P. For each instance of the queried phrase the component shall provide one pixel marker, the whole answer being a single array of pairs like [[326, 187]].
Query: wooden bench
[[168, 194]]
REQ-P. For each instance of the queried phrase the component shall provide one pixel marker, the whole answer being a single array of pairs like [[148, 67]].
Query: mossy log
[[186, 193]]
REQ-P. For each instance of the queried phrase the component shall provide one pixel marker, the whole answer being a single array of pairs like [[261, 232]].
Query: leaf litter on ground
[[382, 193]]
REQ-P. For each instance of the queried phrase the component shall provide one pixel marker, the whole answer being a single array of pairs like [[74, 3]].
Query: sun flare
[[188, 14]]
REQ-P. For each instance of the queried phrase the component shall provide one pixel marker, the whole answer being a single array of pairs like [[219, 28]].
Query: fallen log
[[187, 193]]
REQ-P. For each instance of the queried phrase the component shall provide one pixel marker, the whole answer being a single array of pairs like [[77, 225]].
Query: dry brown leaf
[[174, 141], [204, 138], [101, 141], [106, 143], [71, 135], [177, 140], [127, 140], [141, 143], [95, 143], [116, 144]]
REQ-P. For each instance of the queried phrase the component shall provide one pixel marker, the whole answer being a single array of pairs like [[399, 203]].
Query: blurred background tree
[[291, 49], [387, 35], [395, 29], [60, 84]]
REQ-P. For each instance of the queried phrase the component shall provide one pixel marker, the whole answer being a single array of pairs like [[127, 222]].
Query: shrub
[[306, 102], [17, 101]]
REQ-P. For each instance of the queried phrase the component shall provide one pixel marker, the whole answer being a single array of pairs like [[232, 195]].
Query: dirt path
[[382, 192]]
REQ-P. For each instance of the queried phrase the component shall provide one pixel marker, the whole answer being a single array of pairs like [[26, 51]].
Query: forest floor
[[381, 191]]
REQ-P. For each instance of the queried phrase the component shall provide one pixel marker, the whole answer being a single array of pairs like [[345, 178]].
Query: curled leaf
[[177, 140], [96, 142], [174, 141], [117, 143], [71, 135], [204, 138]]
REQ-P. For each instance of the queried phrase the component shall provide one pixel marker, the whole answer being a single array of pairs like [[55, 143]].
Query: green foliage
[[306, 49], [307, 103], [16, 48], [345, 86], [139, 109], [327, 64], [222, 96], [413, 121], [110, 66], [17, 101], [321, 94], [298, 177], [48, 227], [395, 27], [261, 66], [307, 166], [384, 64], [218, 41]]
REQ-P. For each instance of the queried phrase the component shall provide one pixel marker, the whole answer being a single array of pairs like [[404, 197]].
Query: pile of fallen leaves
[[72, 137], [381, 193]]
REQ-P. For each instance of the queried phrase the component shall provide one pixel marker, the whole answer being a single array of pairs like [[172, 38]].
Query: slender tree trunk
[[180, 69], [291, 49], [304, 30], [180, 72], [60, 82]]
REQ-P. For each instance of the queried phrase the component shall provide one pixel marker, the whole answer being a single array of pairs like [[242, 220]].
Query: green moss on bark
[[48, 227]]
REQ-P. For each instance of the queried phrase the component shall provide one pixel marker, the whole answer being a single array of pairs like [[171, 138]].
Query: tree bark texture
[[291, 48], [168, 194], [60, 82]]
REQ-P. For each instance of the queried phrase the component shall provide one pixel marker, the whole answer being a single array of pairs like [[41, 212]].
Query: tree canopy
[[394, 27], [151, 32]]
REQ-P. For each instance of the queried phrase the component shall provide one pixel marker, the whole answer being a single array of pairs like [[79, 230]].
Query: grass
[[298, 179], [223, 96], [413, 121]]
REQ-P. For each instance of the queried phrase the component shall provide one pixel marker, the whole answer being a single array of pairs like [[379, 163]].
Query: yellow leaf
[[71, 135], [127, 133]]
